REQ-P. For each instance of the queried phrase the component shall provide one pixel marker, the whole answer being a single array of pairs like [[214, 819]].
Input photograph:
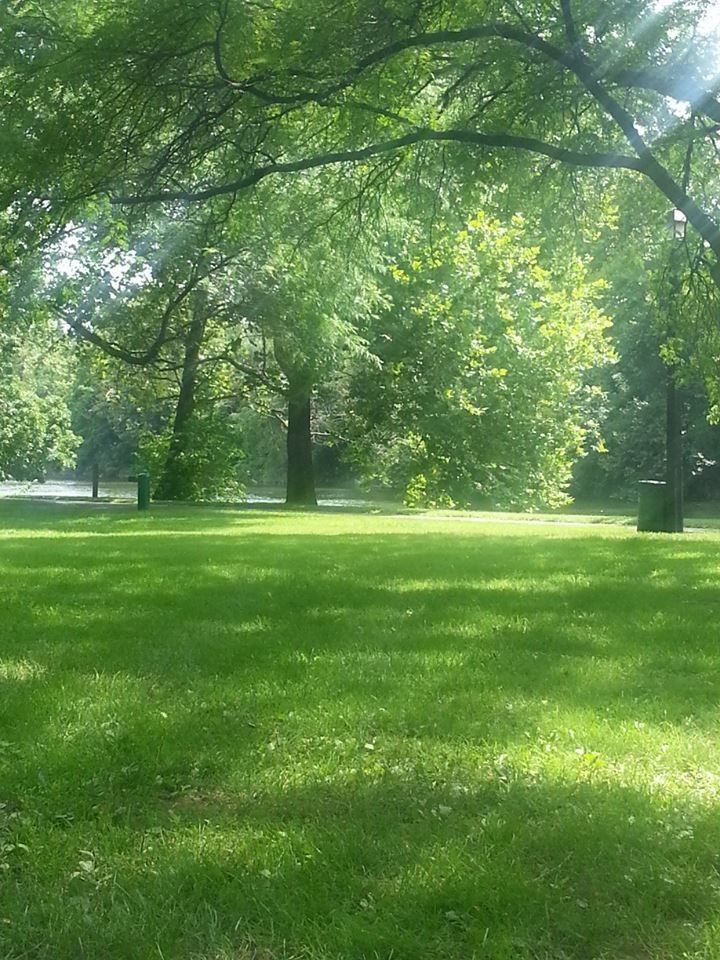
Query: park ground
[[235, 734]]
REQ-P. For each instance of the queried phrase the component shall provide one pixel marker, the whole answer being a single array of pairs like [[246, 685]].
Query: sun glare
[[710, 23]]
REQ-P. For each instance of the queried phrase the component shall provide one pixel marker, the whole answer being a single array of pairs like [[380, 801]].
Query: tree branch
[[494, 30], [422, 135], [573, 60], [152, 354], [253, 376], [685, 89], [108, 347], [570, 28]]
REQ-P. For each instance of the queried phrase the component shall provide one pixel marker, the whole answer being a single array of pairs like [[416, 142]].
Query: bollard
[[95, 481], [652, 507], [143, 482]]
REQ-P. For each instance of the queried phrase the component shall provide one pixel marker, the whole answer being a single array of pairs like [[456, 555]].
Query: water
[[68, 489], [123, 490]]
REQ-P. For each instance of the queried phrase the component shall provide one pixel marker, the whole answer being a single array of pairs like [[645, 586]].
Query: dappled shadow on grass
[[353, 742], [390, 865], [469, 623], [528, 610], [519, 867]]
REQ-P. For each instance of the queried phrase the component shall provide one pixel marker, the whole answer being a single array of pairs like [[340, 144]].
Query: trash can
[[652, 507], [143, 482]]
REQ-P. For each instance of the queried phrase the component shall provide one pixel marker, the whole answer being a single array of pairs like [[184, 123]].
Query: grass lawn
[[227, 735]]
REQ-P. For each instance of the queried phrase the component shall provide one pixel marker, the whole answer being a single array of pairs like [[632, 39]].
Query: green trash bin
[[652, 507], [143, 482]]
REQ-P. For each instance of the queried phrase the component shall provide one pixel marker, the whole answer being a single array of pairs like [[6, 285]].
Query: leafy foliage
[[151, 140], [35, 419], [482, 384]]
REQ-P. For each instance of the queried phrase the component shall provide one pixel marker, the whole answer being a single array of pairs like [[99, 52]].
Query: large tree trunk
[[300, 468], [176, 480]]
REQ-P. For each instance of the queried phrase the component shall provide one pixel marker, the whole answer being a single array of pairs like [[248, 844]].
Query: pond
[[68, 489], [125, 490]]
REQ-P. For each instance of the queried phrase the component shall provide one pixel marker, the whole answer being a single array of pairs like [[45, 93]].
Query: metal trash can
[[653, 507], [143, 493]]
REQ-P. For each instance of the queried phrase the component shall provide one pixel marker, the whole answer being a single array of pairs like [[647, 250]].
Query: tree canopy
[[270, 201], [104, 100]]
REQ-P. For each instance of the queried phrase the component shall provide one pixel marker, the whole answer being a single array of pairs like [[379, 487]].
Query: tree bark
[[176, 480], [300, 467]]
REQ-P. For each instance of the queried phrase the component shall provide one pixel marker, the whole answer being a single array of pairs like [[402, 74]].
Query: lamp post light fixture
[[678, 224]]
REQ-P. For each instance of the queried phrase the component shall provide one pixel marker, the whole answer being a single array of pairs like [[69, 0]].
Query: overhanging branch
[[590, 75], [423, 135], [686, 89]]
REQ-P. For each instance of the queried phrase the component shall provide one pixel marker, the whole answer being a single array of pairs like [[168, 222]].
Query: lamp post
[[673, 422]]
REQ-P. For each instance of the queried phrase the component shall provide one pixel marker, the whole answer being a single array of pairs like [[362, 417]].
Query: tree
[[143, 298], [664, 313], [112, 406], [35, 428], [266, 300], [307, 295], [484, 356], [176, 479]]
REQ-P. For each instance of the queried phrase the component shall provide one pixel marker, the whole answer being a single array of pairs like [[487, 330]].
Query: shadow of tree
[[515, 867], [311, 741]]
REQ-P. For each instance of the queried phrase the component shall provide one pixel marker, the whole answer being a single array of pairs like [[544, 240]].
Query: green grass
[[228, 735]]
